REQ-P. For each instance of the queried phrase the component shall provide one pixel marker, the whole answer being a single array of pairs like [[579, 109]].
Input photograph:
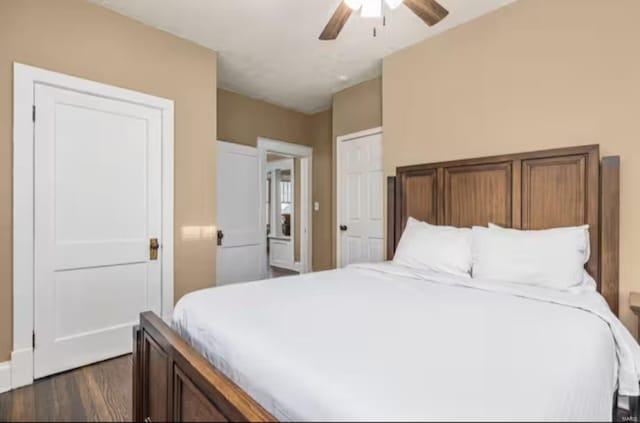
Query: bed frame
[[542, 189]]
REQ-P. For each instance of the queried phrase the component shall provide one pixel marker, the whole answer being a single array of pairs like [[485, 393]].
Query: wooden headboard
[[536, 190]]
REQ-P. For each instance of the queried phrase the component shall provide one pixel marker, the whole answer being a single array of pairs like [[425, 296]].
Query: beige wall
[[354, 109], [537, 74], [242, 120], [81, 39], [358, 108], [322, 192]]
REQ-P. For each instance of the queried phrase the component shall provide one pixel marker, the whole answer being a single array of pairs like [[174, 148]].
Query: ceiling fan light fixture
[[354, 4], [430, 11], [371, 9], [393, 4]]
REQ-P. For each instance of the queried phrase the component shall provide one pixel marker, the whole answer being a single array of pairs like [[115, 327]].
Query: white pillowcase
[[435, 248], [552, 258]]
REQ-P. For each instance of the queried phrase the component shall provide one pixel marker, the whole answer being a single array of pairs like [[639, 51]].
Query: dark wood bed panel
[[173, 382], [537, 190], [570, 186]]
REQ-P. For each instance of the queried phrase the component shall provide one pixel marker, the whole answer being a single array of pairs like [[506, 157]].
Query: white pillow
[[552, 258], [436, 248], [579, 231]]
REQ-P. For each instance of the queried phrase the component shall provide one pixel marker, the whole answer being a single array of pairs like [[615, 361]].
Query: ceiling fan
[[430, 11]]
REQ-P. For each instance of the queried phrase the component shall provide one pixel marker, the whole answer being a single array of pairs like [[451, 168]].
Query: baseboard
[[21, 368], [5, 376]]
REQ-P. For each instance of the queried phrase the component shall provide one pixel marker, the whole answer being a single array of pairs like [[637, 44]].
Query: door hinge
[[33, 339], [33, 112]]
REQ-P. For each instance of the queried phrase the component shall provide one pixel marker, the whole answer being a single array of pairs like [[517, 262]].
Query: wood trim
[[539, 154], [610, 230], [398, 213], [516, 194], [137, 375], [391, 216], [182, 360], [440, 194]]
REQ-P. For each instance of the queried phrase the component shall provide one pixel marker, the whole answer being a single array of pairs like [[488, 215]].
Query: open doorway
[[286, 199]]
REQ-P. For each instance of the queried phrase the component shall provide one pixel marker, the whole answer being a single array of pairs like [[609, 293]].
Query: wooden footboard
[[173, 382]]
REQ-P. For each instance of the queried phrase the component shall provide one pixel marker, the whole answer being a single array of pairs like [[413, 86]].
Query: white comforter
[[381, 342]]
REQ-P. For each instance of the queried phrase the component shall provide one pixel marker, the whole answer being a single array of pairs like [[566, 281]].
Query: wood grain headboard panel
[[472, 185], [535, 190]]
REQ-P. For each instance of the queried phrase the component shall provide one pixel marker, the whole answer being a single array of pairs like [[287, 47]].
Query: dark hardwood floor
[[100, 392]]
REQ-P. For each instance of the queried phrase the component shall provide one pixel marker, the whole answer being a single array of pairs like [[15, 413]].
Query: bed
[[382, 342]]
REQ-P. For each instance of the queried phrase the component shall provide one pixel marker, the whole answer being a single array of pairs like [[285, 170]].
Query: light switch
[[316, 206]]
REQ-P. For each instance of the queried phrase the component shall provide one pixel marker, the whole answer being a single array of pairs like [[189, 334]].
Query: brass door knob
[[154, 245]]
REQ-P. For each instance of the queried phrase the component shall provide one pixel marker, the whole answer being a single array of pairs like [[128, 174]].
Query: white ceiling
[[269, 49]]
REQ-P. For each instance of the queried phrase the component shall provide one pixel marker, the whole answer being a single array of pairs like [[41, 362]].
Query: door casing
[[25, 79], [305, 153]]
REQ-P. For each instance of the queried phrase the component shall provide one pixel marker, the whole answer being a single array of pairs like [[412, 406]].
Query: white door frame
[[305, 153], [339, 141], [24, 80]]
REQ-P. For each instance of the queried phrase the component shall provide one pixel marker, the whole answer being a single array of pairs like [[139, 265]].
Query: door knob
[[220, 235], [343, 228], [153, 248]]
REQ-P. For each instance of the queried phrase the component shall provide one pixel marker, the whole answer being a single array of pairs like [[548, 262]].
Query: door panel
[[240, 257], [100, 290], [360, 192], [97, 204]]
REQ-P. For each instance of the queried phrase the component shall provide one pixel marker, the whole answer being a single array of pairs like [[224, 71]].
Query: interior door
[[241, 239], [97, 208], [360, 190]]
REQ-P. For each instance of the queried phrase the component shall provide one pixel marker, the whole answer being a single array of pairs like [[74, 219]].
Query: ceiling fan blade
[[430, 11], [336, 23]]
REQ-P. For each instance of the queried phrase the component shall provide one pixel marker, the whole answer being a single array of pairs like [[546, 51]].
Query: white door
[[360, 220], [97, 205], [241, 238]]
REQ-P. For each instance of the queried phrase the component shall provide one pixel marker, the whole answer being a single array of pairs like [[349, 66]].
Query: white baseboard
[[21, 368], [5, 376]]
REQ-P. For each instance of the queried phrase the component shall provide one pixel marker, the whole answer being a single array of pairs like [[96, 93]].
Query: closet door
[[360, 219]]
